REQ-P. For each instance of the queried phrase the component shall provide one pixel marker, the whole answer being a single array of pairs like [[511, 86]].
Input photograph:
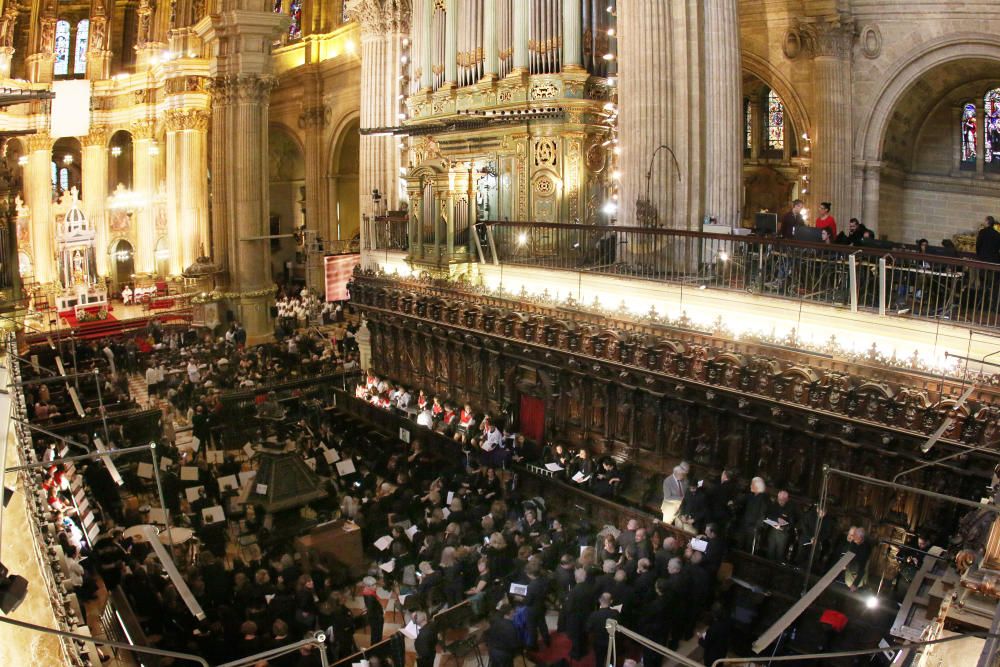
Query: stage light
[[611, 32], [611, 80], [406, 41], [116, 151], [616, 174], [871, 602], [67, 159], [23, 160], [609, 56], [723, 256], [522, 238], [610, 208], [403, 59]]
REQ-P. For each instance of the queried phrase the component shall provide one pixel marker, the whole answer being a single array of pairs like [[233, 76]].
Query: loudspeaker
[[8, 493], [12, 593]]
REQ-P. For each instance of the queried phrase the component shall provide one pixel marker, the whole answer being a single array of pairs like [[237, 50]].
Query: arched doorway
[[774, 172], [287, 182], [122, 264], [344, 168], [162, 257], [67, 166], [120, 157]]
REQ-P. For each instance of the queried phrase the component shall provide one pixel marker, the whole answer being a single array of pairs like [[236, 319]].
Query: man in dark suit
[[579, 604], [502, 640], [715, 639], [426, 642], [597, 628], [538, 592], [715, 550]]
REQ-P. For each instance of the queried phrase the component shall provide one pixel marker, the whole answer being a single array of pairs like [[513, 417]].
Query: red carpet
[[559, 650], [71, 320]]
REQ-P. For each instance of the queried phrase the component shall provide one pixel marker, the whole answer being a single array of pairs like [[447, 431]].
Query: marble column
[[95, 190], [521, 28], [830, 43], [187, 186], [660, 105], [724, 106], [144, 155], [384, 24], [491, 57], [8, 22], [99, 40], [38, 188], [870, 197], [313, 120], [572, 27], [451, 43]]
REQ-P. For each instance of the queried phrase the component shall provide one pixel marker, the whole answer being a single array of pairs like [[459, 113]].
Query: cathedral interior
[[640, 243]]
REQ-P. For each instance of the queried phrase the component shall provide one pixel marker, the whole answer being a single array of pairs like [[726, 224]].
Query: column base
[[253, 311]]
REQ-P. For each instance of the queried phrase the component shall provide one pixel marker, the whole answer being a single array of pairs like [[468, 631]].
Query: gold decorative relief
[[546, 152]]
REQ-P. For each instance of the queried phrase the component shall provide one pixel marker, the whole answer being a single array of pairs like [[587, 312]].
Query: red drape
[[532, 418]]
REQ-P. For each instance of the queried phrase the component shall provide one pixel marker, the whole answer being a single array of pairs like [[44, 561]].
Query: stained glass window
[[969, 133], [55, 176], [62, 48], [80, 53], [747, 123], [64, 179], [991, 120], [295, 12], [775, 121]]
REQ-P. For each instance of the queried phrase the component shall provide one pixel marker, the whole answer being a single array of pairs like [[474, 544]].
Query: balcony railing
[[885, 280]]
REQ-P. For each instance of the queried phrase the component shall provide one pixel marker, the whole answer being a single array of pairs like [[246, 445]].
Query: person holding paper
[[426, 642], [581, 468], [373, 609], [673, 494], [782, 519]]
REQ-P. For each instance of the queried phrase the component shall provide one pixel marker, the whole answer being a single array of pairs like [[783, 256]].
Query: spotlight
[[116, 151], [23, 160], [610, 208], [13, 589], [723, 256], [522, 238], [871, 602], [609, 56], [67, 159]]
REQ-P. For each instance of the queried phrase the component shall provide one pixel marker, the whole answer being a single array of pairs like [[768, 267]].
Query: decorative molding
[[381, 17], [98, 136], [38, 142], [830, 39], [143, 129], [254, 88], [315, 117], [870, 40]]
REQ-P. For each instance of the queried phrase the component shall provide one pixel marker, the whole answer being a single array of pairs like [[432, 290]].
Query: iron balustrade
[[886, 280]]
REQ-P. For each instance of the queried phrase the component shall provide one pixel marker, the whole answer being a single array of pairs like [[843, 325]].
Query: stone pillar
[[521, 28], [451, 43], [384, 24], [660, 105], [830, 43], [313, 121], [756, 128], [38, 188], [724, 107], [8, 21], [870, 195], [426, 46], [187, 186], [491, 56], [572, 27], [42, 43], [144, 156], [99, 41], [95, 190]]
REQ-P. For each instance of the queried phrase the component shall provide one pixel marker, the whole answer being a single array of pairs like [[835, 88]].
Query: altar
[[82, 294]]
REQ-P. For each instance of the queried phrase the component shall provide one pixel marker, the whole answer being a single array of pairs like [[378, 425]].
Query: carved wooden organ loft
[[651, 395]]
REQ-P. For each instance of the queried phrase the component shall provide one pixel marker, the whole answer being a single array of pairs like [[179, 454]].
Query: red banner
[[338, 270]]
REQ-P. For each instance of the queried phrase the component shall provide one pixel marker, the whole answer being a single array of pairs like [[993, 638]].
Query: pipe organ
[[507, 118]]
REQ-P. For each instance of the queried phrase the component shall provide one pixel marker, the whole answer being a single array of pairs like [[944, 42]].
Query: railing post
[[881, 285], [493, 247], [852, 267]]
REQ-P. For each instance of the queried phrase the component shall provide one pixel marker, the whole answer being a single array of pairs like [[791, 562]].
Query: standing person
[[673, 494], [502, 641], [426, 642], [791, 219], [825, 220], [110, 556], [783, 513], [373, 609], [538, 592], [579, 604], [715, 639], [988, 241], [856, 572], [597, 628], [753, 512]]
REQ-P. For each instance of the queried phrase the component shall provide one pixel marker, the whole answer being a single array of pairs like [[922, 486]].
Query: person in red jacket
[[826, 221]]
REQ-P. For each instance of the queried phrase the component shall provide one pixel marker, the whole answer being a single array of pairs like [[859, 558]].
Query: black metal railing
[[389, 233], [881, 279]]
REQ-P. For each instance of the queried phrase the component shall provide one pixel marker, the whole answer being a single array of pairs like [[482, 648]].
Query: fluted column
[[870, 198], [830, 43], [723, 105], [144, 184], [521, 30], [95, 190], [491, 57], [572, 47], [187, 187], [313, 120], [38, 188], [99, 42], [660, 105], [451, 43], [8, 23]]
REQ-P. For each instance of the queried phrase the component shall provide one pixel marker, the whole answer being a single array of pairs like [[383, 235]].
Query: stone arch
[[911, 67], [343, 174], [766, 72], [287, 185]]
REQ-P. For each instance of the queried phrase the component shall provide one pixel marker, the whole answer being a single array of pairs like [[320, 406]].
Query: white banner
[[71, 108]]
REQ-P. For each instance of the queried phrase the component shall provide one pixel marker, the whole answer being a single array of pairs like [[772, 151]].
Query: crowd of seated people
[[492, 440]]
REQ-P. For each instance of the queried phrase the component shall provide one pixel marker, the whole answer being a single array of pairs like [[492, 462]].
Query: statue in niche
[[574, 412], [623, 417], [797, 469], [598, 406], [442, 363], [475, 369], [492, 377], [458, 366], [765, 452], [429, 359], [674, 430], [647, 424], [732, 442]]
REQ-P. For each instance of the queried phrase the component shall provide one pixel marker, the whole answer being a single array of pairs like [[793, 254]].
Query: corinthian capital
[[829, 38], [143, 129], [98, 136], [39, 142], [192, 119], [381, 17]]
